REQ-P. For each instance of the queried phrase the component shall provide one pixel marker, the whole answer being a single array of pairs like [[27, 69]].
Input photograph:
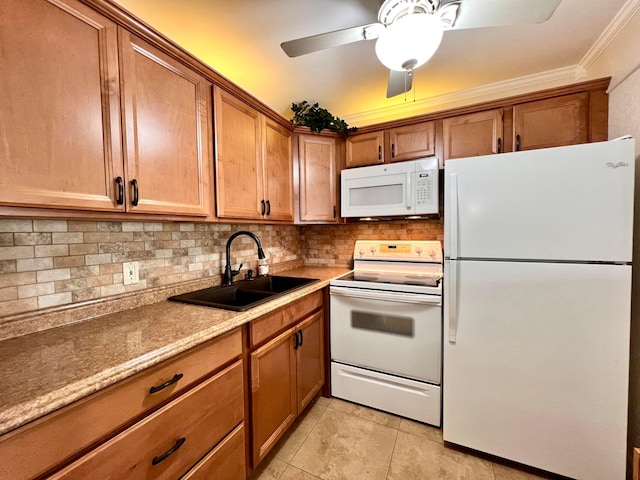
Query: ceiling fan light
[[409, 41]]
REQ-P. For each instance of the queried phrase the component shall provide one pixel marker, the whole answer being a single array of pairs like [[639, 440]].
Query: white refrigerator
[[537, 299]]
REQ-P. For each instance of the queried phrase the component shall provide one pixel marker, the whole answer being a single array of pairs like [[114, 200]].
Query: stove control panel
[[400, 250]]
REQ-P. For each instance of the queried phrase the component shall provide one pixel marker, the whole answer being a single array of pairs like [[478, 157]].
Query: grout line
[[393, 450]]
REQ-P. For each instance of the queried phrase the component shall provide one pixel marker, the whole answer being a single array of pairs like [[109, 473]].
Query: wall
[[48, 263], [333, 245]]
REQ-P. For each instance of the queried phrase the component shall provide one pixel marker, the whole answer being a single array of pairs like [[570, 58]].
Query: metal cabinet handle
[[160, 458], [268, 207], [297, 340], [301, 337], [499, 145], [335, 212], [262, 210], [393, 150], [517, 143], [134, 184], [120, 184], [379, 152], [175, 378]]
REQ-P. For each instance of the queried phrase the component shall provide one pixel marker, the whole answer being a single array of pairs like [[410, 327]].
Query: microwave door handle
[[409, 174]]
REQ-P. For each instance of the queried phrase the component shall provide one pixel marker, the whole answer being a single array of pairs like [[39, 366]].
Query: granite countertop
[[47, 370]]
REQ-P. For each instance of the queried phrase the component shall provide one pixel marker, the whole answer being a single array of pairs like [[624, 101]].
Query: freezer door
[[569, 203], [536, 364]]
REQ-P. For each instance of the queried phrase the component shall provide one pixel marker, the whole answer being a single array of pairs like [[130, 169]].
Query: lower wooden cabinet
[[225, 462], [191, 395], [286, 373], [167, 443]]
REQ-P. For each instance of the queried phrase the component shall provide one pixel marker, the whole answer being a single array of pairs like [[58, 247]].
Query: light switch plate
[[130, 272]]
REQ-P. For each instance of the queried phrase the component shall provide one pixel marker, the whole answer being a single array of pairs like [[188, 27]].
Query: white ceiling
[[241, 40]]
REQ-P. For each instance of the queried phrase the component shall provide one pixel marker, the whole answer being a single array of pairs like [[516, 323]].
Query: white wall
[[621, 60]]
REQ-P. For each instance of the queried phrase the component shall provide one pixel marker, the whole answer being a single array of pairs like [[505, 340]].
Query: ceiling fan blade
[[302, 46], [399, 82], [489, 13]]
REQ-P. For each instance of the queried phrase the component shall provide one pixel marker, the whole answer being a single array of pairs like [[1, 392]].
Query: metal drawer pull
[[175, 378], [159, 458], [295, 335], [301, 337]]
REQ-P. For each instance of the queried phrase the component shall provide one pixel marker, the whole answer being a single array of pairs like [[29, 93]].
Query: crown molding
[[468, 96], [625, 14]]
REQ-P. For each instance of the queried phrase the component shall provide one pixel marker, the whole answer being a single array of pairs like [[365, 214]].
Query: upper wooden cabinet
[[278, 171], [552, 122], [254, 166], [166, 111], [393, 145], [59, 107], [60, 114], [318, 179], [365, 149], [412, 141], [472, 135]]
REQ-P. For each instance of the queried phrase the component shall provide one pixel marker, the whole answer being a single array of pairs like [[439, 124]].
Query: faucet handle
[[236, 272]]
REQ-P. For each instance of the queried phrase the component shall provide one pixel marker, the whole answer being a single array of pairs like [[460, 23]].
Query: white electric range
[[386, 329]]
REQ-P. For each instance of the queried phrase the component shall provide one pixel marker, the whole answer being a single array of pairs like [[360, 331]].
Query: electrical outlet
[[130, 271]]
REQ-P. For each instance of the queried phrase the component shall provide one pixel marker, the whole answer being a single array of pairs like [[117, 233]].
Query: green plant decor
[[316, 118]]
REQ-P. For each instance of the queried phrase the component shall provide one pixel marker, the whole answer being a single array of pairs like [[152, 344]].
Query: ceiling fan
[[409, 32]]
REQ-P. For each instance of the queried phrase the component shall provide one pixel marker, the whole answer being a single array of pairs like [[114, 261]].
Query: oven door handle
[[386, 296]]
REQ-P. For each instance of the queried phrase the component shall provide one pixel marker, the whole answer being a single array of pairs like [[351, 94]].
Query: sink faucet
[[228, 272]]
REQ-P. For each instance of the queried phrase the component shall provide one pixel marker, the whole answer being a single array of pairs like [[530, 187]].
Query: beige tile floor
[[337, 440]]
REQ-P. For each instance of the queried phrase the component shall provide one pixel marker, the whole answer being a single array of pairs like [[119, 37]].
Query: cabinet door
[[238, 136], [278, 172], [273, 392], [365, 149], [412, 141], [472, 135], [59, 106], [310, 358], [318, 179], [551, 123], [166, 110]]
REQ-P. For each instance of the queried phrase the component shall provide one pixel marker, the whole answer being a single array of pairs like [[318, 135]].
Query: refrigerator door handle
[[453, 301], [453, 218]]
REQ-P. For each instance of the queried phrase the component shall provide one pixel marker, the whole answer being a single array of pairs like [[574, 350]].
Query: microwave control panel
[[424, 191]]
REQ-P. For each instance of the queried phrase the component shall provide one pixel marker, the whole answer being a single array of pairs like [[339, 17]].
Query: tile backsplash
[[49, 263], [333, 245]]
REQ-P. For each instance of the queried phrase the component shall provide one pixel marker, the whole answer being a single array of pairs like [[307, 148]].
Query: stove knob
[[361, 251], [372, 249], [432, 253], [418, 250]]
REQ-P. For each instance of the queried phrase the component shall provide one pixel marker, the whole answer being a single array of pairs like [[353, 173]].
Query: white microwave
[[396, 189]]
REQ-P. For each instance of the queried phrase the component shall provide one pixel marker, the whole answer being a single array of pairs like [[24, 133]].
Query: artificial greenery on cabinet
[[317, 118]]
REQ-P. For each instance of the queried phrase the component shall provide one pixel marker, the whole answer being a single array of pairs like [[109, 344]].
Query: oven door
[[392, 332]]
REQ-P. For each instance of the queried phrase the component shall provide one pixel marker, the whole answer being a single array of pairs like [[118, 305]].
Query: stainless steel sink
[[244, 294]]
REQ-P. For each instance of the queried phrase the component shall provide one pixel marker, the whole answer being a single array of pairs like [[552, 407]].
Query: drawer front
[[225, 462], [167, 443], [56, 437], [271, 324]]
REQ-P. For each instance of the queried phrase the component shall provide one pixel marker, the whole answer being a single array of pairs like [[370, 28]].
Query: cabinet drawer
[[174, 438], [62, 434], [226, 461], [271, 324]]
